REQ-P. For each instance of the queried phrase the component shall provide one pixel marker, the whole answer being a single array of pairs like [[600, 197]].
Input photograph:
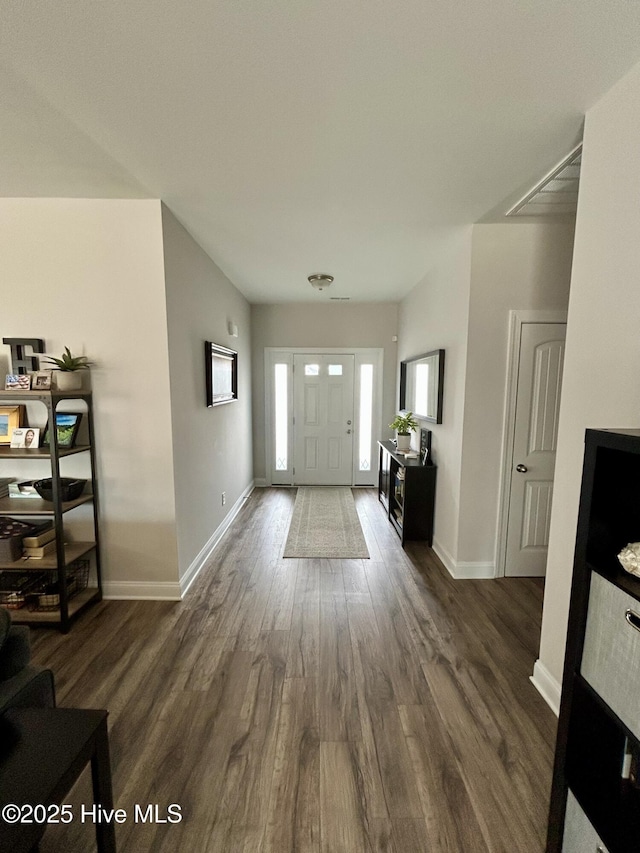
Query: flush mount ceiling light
[[320, 280]]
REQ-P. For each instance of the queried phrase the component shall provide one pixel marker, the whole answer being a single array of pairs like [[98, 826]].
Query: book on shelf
[[4, 486], [40, 552], [39, 539], [26, 489]]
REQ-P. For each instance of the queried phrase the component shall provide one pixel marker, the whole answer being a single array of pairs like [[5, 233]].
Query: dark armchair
[[22, 684]]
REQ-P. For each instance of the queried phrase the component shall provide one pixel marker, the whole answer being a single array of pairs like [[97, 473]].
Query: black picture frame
[[221, 369], [425, 445], [67, 426]]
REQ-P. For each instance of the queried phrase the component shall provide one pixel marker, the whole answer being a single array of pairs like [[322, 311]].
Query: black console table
[[407, 490], [42, 753]]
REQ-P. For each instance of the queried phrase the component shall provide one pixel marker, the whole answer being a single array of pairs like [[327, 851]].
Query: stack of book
[[39, 545], [4, 486]]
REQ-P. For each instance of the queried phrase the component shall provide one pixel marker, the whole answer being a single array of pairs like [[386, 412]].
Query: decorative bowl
[[70, 488]]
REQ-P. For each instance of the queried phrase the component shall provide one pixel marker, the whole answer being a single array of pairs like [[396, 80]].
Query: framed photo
[[17, 382], [221, 368], [11, 418], [41, 381], [67, 426], [425, 445], [27, 438]]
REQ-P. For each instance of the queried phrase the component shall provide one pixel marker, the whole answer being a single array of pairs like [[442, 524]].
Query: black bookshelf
[[598, 744]]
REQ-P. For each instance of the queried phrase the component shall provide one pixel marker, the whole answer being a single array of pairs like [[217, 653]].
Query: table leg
[[102, 790]]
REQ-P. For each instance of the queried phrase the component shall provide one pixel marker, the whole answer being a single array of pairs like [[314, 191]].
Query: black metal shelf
[[60, 561]]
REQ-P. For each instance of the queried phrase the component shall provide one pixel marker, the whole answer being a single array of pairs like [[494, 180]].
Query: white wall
[[302, 324], [435, 315], [211, 447], [513, 266], [601, 386], [88, 274]]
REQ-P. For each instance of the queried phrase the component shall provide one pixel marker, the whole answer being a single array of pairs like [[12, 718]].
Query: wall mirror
[[421, 385]]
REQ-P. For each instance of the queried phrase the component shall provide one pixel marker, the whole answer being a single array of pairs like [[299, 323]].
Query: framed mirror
[[422, 385]]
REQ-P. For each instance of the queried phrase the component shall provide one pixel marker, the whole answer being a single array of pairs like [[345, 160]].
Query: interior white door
[[534, 448], [323, 419]]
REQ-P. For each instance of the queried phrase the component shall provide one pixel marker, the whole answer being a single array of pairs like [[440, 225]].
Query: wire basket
[[47, 596], [16, 589]]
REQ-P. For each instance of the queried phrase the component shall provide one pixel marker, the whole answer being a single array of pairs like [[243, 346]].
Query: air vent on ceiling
[[339, 298], [556, 193]]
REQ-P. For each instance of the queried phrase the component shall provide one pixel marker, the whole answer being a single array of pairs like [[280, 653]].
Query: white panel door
[[534, 449], [323, 419]]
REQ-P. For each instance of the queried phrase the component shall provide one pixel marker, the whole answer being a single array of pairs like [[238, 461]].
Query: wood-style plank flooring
[[317, 706]]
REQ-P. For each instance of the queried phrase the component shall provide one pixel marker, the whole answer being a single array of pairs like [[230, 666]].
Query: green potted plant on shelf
[[68, 376], [404, 425]]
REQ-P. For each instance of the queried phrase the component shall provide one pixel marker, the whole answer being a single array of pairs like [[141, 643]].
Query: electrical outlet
[[224, 498]]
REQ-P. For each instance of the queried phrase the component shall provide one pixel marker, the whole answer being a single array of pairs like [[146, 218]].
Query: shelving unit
[[406, 489], [67, 562], [595, 799]]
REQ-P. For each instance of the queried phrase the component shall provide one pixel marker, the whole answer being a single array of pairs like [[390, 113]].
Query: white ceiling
[[298, 136]]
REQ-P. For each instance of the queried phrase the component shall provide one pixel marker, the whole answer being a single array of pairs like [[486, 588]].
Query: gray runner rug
[[325, 524]]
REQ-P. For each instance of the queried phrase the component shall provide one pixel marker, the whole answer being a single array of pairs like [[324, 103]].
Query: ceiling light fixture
[[320, 280]]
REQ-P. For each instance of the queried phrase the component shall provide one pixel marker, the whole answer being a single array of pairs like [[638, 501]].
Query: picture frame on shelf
[[67, 426], [11, 417], [26, 438], [17, 382], [41, 381], [425, 445]]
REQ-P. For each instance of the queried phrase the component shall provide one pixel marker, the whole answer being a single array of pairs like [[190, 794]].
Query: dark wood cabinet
[[595, 799], [406, 489]]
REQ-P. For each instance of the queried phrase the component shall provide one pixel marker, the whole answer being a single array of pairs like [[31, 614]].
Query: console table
[[42, 753], [407, 490]]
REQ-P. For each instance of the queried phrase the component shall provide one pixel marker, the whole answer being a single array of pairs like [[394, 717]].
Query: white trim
[[205, 552], [475, 571], [445, 557], [516, 321], [260, 482], [547, 686], [462, 570], [142, 590]]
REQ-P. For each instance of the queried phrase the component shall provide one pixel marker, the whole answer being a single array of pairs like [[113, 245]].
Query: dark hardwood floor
[[317, 705]]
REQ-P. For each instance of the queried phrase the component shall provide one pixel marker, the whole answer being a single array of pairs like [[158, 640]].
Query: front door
[[323, 419], [534, 448]]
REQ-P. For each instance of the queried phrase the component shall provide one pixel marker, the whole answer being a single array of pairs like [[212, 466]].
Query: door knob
[[522, 469]]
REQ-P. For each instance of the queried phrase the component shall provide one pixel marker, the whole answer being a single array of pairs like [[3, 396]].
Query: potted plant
[[404, 425], [68, 376]]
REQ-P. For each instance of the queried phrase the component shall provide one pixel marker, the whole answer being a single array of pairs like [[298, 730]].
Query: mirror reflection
[[421, 385]]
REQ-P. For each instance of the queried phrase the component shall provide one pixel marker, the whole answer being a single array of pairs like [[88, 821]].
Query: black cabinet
[[595, 799], [406, 489]]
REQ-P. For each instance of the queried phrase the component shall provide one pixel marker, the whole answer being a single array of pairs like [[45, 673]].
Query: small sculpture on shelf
[[629, 558]]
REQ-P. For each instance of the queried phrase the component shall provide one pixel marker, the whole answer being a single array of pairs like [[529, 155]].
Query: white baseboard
[[475, 571], [205, 552], [260, 482], [547, 686], [462, 570], [142, 590], [445, 557]]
